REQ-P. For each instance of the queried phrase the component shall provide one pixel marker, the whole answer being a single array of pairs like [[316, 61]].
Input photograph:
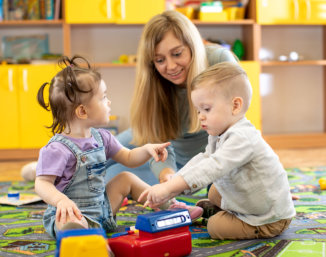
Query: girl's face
[[98, 108], [214, 110], [172, 59]]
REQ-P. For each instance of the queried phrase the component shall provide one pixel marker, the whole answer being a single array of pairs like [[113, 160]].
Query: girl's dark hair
[[75, 84]]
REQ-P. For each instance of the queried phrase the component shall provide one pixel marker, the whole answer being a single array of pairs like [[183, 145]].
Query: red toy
[[164, 233]]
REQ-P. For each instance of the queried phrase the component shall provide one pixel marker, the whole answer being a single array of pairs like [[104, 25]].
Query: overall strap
[[97, 136], [68, 143]]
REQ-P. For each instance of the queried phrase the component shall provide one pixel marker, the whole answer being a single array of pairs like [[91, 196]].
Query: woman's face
[[172, 59]]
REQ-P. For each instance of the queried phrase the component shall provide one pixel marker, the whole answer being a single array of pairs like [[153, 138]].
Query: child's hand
[[158, 151], [67, 207], [155, 196]]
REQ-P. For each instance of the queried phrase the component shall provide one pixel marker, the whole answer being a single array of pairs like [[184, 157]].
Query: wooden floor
[[10, 171]]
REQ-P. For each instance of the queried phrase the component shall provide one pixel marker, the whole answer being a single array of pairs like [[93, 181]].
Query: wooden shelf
[[32, 22], [122, 65], [196, 22], [19, 154], [112, 65], [233, 22], [302, 140], [298, 63], [292, 24]]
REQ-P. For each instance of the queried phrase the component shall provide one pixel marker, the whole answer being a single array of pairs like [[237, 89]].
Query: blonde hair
[[154, 107], [230, 77]]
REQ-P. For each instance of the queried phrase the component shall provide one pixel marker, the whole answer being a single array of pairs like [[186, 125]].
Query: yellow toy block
[[322, 183], [84, 246]]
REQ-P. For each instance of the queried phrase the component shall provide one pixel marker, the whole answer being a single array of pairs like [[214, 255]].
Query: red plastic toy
[[164, 233]]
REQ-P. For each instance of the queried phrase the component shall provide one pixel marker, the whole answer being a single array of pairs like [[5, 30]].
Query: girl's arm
[[44, 187], [161, 193], [140, 155]]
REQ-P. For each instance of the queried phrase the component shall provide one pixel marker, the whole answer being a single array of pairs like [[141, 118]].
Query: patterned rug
[[22, 233]]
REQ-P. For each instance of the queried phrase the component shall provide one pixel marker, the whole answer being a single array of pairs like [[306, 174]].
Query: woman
[[170, 54]]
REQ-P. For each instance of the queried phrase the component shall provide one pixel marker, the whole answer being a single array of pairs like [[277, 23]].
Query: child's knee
[[124, 177], [273, 229], [215, 229], [224, 225]]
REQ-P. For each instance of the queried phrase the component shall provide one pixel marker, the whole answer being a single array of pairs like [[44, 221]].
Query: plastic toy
[[322, 183], [82, 243], [238, 49], [163, 233], [13, 196]]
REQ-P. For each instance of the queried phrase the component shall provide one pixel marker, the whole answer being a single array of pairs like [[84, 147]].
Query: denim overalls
[[86, 187]]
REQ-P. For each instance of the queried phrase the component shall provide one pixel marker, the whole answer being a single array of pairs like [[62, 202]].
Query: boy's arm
[[140, 155], [44, 187], [161, 193]]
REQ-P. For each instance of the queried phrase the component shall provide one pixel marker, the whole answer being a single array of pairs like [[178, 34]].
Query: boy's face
[[214, 109]]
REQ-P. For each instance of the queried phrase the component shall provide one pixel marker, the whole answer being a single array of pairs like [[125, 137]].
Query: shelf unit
[[251, 34], [317, 65]]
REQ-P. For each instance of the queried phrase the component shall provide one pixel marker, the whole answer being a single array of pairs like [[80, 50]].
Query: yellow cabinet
[[313, 11], [9, 135], [291, 11], [112, 11], [24, 120], [254, 112]]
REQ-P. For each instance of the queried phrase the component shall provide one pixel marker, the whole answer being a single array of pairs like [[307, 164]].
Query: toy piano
[[163, 233]]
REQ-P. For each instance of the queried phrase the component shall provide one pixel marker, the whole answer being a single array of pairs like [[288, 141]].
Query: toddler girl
[[71, 167]]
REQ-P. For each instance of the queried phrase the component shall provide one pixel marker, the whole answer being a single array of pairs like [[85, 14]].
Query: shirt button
[[194, 186], [83, 158]]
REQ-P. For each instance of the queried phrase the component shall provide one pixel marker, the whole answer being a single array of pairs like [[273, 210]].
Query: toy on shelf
[[114, 125], [163, 233], [126, 59], [238, 49], [82, 243]]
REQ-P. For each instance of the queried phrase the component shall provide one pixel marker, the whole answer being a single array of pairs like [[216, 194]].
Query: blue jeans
[[143, 172]]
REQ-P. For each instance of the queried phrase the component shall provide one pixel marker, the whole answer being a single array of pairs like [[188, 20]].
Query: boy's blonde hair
[[230, 77], [154, 107]]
